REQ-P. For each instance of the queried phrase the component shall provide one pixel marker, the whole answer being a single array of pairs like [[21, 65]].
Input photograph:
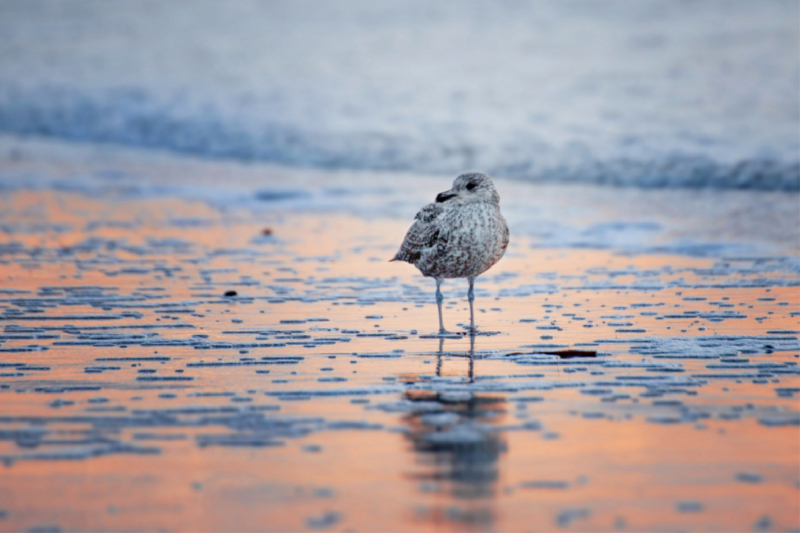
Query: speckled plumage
[[461, 235]]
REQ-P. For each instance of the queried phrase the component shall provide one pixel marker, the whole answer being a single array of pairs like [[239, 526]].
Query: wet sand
[[180, 355]]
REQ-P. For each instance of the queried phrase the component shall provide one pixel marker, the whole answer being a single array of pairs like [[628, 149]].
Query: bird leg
[[439, 300], [471, 298]]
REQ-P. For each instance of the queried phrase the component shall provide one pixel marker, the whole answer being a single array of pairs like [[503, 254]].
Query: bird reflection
[[458, 448]]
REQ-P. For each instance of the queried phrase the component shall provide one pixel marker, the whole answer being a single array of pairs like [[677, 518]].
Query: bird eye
[[471, 185]]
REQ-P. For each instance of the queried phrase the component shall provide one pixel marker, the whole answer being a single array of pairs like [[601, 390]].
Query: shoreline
[[557, 215]]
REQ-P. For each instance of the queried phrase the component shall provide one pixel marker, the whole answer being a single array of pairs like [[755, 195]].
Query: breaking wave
[[659, 94]]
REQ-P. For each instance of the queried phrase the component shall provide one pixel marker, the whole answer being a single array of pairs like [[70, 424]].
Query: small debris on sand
[[566, 354]]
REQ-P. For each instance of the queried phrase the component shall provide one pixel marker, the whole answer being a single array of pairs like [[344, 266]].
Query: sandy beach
[[200, 345], [201, 329]]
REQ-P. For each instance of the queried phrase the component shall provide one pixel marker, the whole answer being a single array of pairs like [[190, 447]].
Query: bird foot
[[469, 330]]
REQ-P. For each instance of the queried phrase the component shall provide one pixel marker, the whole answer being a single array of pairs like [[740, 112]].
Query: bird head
[[469, 188]]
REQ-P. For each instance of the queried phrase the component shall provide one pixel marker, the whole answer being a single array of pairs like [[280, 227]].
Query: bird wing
[[422, 234]]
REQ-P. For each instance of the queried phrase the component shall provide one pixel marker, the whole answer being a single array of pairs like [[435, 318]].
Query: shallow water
[[314, 396]]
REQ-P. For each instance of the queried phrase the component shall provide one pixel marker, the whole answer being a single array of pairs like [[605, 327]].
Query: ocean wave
[[128, 117], [650, 94]]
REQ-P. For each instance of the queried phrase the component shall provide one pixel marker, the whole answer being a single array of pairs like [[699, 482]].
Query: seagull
[[461, 235]]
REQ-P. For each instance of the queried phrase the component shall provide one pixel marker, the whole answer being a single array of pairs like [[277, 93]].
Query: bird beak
[[444, 196]]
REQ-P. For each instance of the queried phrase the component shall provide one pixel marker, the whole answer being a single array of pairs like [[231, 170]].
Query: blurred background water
[[653, 93]]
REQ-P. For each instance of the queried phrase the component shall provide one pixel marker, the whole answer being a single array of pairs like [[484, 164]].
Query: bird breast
[[470, 239]]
